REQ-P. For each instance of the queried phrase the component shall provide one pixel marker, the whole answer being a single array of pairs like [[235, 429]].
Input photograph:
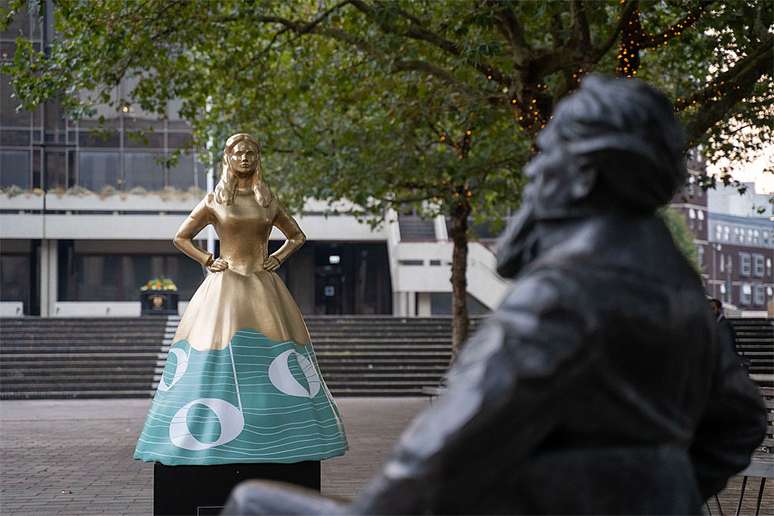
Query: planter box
[[158, 302]]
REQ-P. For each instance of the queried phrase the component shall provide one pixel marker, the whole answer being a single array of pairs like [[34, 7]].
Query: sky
[[753, 172]]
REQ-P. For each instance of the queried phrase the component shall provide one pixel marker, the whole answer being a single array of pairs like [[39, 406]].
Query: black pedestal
[[203, 490]]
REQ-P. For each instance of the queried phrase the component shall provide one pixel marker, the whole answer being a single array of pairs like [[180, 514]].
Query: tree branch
[[626, 12], [420, 33], [728, 89], [512, 29], [581, 36], [652, 41], [431, 69], [399, 65]]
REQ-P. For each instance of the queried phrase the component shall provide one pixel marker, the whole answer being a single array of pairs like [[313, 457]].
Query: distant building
[[734, 238], [741, 238], [691, 202]]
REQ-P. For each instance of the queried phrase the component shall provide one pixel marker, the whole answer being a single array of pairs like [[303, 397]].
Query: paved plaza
[[74, 457]]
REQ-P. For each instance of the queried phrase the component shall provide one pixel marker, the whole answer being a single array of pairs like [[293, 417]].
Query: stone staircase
[[755, 341], [52, 358], [359, 355], [124, 357], [416, 229], [381, 356]]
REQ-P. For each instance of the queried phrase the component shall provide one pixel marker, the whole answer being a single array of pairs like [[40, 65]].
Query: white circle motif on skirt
[[281, 377], [232, 422], [181, 366]]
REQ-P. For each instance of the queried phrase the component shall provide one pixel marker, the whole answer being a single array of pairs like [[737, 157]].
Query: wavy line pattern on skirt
[[256, 400]]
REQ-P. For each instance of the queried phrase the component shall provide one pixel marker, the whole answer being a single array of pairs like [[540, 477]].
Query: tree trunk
[[459, 235]]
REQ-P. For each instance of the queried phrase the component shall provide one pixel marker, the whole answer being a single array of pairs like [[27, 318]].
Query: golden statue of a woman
[[241, 383]]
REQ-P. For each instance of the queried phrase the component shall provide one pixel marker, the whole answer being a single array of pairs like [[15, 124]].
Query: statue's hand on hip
[[271, 263], [219, 265]]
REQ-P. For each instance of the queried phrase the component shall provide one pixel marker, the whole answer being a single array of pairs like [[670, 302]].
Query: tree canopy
[[402, 89], [427, 103]]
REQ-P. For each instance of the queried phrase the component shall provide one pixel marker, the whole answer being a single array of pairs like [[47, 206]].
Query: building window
[[15, 169], [56, 170], [726, 231], [115, 277], [745, 294], [15, 276], [691, 214], [760, 295], [700, 256], [700, 214], [722, 262], [143, 169], [725, 293], [758, 269], [745, 264], [97, 170], [181, 175]]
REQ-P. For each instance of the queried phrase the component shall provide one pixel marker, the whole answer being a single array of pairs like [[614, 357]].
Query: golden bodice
[[245, 295], [243, 228]]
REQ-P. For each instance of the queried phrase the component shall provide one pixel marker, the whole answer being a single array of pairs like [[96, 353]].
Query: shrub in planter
[[159, 297]]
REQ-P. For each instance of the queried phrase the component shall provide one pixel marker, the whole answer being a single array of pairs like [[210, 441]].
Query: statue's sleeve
[[505, 395], [199, 218], [732, 426]]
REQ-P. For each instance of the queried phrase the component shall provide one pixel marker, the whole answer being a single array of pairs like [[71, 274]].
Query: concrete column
[[440, 228], [411, 304], [424, 306], [404, 303], [49, 260]]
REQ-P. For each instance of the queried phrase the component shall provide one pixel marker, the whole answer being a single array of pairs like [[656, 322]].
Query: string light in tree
[[634, 38], [629, 48]]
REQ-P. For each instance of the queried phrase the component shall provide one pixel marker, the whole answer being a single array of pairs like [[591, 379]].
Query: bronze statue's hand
[[218, 265], [271, 263]]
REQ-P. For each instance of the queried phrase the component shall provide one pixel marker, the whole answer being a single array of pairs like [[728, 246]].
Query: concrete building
[[734, 238], [741, 249], [87, 214], [692, 203]]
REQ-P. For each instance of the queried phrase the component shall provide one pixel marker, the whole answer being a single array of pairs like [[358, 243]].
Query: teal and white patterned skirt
[[256, 400]]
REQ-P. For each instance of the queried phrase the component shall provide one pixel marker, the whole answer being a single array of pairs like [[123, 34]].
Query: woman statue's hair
[[227, 186]]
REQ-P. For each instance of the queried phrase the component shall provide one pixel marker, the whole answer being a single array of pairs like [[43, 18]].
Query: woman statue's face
[[243, 158]]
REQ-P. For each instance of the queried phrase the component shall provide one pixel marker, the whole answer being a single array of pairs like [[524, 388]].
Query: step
[[73, 394], [73, 386]]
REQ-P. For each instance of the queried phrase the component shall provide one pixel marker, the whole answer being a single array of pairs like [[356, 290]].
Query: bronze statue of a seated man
[[599, 385]]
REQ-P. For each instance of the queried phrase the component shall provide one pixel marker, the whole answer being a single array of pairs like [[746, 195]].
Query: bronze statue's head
[[614, 145], [242, 159], [242, 154]]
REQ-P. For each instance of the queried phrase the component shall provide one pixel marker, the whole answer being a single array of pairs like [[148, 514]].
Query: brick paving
[[74, 457]]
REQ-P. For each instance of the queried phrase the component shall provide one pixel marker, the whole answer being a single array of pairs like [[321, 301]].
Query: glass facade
[[18, 267], [43, 149], [95, 275], [339, 278]]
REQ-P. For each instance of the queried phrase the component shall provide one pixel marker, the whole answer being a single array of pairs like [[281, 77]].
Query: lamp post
[[210, 178]]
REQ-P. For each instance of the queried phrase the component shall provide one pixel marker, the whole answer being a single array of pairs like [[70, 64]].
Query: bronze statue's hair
[[627, 128], [227, 185]]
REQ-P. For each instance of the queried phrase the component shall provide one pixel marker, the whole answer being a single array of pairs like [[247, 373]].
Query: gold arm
[[295, 238], [199, 218]]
